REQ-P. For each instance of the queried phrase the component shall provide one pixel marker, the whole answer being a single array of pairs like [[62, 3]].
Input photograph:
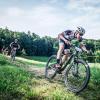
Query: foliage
[[97, 54], [34, 45], [30, 42], [3, 60], [95, 75]]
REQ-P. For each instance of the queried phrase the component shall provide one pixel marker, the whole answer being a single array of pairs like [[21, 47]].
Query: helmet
[[16, 40], [80, 30]]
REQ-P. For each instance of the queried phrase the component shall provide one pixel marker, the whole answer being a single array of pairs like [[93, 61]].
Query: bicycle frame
[[13, 54], [72, 56], [67, 62], [72, 70]]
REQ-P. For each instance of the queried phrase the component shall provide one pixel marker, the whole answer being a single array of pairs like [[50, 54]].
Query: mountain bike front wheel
[[77, 76], [13, 54]]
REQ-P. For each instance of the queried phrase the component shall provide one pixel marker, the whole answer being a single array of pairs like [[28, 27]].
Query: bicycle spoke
[[50, 67], [77, 77]]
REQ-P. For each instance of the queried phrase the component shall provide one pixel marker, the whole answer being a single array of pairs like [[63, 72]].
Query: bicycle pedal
[[58, 71]]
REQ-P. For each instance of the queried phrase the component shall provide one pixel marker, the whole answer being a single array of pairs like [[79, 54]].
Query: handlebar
[[77, 49]]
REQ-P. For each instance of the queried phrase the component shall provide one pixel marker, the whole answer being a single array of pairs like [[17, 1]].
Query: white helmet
[[81, 30]]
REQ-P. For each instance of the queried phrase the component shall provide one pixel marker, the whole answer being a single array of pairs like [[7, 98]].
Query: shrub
[[3, 60], [97, 54]]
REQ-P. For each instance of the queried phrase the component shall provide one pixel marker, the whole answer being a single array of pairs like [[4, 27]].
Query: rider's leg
[[14, 57], [59, 53], [11, 53], [65, 57]]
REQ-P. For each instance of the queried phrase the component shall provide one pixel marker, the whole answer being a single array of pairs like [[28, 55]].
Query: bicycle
[[13, 53], [77, 73]]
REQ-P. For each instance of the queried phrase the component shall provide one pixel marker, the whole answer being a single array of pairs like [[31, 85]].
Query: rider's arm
[[11, 44], [83, 47], [18, 46], [61, 36]]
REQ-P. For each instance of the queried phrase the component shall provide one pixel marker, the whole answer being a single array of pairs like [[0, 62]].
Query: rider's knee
[[66, 52], [61, 49]]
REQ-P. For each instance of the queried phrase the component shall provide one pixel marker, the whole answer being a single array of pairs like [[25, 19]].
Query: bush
[[95, 75], [3, 60], [14, 82], [97, 58]]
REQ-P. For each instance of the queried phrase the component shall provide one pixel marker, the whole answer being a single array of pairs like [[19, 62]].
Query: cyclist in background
[[65, 39], [14, 46]]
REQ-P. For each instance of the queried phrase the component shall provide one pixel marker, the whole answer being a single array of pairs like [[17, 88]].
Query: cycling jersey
[[14, 45], [68, 35]]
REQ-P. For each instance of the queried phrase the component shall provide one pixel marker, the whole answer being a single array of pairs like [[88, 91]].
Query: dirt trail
[[36, 71]]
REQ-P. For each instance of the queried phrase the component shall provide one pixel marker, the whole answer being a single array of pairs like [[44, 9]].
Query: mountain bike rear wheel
[[50, 70]]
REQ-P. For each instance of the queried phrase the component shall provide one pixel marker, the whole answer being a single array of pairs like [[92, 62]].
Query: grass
[[94, 65], [32, 61], [37, 58], [16, 83], [13, 82]]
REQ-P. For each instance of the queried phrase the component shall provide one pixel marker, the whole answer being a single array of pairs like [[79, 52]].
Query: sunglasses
[[81, 34]]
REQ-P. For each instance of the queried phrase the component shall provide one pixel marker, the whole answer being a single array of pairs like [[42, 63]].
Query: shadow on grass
[[91, 93], [11, 96]]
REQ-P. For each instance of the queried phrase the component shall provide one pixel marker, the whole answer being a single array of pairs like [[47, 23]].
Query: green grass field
[[16, 83], [34, 61]]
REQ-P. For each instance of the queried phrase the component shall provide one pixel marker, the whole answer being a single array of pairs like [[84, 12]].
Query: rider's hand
[[67, 42], [87, 51]]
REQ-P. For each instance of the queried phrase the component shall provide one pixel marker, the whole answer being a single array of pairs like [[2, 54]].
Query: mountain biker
[[65, 39], [14, 45]]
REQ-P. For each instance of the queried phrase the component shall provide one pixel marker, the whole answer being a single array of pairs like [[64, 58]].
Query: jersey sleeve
[[67, 33], [11, 44]]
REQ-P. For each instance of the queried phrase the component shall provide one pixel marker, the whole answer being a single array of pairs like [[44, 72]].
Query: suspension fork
[[75, 62]]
